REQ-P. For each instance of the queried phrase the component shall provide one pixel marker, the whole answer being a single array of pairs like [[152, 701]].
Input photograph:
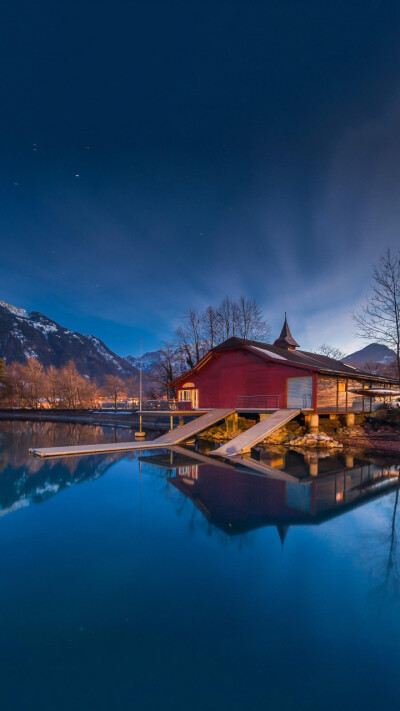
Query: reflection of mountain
[[237, 501], [17, 437], [18, 488], [25, 479]]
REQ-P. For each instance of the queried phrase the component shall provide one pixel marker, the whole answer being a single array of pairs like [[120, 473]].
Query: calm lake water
[[165, 581]]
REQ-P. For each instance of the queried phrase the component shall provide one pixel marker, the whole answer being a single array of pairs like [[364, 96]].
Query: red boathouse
[[249, 375]]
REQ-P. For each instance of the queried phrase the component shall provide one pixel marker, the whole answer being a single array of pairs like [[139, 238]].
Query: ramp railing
[[258, 402]]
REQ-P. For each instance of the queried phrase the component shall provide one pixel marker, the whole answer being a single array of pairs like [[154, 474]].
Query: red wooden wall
[[229, 374]]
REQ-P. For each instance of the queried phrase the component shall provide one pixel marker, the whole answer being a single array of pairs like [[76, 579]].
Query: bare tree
[[374, 367], [242, 318], [68, 385], [75, 391], [30, 385], [331, 351], [211, 327], [132, 386], [379, 318], [165, 370], [28, 379], [113, 387], [226, 318], [249, 321], [201, 331], [190, 337], [87, 392], [53, 390], [389, 370], [3, 379], [8, 390]]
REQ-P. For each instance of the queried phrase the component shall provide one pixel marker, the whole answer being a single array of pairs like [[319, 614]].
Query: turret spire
[[286, 339]]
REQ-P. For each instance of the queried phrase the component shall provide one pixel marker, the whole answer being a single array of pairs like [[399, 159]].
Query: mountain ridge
[[150, 360], [30, 334], [370, 354]]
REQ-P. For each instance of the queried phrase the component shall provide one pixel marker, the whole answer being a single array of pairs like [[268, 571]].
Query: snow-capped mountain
[[30, 334], [373, 353], [149, 361]]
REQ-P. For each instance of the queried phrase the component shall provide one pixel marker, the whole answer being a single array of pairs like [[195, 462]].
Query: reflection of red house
[[237, 501], [250, 375]]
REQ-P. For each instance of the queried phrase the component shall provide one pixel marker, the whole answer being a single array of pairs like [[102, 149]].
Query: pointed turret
[[286, 339]]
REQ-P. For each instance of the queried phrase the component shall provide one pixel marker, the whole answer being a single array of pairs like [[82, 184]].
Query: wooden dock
[[246, 440], [167, 440]]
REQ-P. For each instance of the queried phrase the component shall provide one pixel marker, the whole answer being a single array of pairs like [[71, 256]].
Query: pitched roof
[[311, 360], [315, 361]]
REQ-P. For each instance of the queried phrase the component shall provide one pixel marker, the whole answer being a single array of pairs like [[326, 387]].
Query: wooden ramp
[[167, 440], [191, 428], [246, 440], [260, 468]]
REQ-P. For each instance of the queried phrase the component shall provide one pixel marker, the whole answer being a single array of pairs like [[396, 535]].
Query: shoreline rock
[[319, 441]]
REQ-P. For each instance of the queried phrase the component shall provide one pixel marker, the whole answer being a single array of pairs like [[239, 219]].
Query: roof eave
[[197, 367]]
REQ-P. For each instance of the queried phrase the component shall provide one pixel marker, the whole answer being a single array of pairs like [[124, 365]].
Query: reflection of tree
[[24, 478], [393, 540], [390, 585], [17, 437]]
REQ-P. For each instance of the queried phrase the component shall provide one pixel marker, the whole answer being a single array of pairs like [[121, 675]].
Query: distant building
[[123, 402], [250, 375]]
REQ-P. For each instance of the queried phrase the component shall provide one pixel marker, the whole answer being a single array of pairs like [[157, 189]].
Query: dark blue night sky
[[157, 155]]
